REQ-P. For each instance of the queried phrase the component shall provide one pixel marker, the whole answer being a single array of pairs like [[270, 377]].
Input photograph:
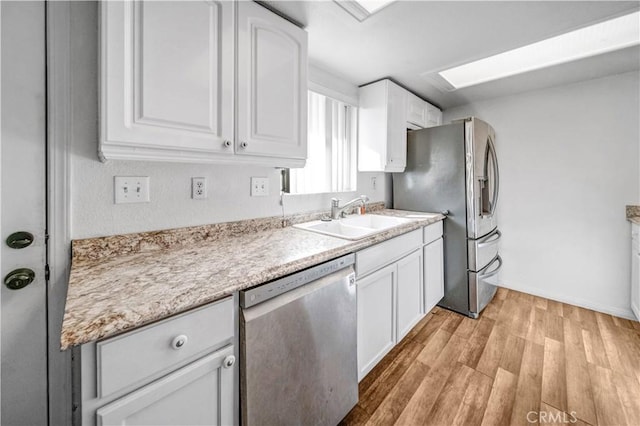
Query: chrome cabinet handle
[[179, 341], [226, 144], [229, 361], [243, 145]]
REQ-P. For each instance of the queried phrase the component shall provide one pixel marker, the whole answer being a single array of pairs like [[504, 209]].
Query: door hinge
[[47, 272]]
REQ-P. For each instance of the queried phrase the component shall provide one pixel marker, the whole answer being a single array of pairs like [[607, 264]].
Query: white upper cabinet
[[166, 80], [382, 130], [168, 83], [421, 113], [272, 85], [386, 110], [416, 110], [434, 116]]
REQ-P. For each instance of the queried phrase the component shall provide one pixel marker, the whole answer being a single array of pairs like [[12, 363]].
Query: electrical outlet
[[259, 186], [374, 182], [198, 188], [131, 189]]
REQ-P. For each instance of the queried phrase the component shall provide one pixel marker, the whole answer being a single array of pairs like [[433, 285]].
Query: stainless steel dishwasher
[[298, 362]]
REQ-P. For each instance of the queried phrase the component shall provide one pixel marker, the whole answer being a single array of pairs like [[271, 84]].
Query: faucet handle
[[335, 202]]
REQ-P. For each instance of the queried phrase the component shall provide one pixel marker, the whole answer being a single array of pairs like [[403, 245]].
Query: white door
[[410, 288], [199, 394], [376, 317], [24, 343], [272, 85]]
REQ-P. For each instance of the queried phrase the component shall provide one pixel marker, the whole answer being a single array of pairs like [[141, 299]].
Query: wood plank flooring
[[526, 360]]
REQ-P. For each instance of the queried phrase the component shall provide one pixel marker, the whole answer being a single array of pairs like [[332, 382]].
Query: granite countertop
[[122, 282], [633, 214]]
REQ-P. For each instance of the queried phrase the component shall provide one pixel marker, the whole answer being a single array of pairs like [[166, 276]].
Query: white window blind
[[331, 148]]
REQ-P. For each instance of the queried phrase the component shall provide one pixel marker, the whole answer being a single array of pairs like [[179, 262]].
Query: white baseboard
[[618, 312], [636, 310]]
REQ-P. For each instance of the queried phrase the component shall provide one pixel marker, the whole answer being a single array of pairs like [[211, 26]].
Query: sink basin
[[354, 227], [374, 221]]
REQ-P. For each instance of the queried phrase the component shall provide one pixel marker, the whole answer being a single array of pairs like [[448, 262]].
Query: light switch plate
[[259, 186], [131, 189]]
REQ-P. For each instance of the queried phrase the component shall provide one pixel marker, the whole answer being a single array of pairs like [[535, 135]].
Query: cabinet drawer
[[141, 355], [374, 258], [432, 232]]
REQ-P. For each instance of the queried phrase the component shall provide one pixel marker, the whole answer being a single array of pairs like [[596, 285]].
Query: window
[[331, 148]]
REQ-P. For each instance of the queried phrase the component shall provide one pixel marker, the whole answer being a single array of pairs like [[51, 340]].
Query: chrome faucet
[[338, 212]]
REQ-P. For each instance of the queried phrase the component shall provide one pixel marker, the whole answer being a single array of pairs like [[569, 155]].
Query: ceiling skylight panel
[[600, 38]]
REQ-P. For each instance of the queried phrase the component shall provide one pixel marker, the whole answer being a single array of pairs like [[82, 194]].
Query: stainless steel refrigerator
[[454, 168]]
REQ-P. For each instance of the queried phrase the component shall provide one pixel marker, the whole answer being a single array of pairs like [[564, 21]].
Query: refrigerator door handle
[[490, 239], [496, 176], [483, 274]]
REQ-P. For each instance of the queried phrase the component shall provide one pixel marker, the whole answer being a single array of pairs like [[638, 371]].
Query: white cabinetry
[[385, 112], [199, 394], [376, 318], [635, 270], [168, 84], [421, 113], [382, 129], [181, 370], [272, 85], [398, 282], [409, 293]]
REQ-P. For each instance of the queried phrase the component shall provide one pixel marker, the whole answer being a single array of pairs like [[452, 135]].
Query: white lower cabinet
[[376, 318], [433, 274], [181, 370], [199, 394], [399, 281], [409, 293]]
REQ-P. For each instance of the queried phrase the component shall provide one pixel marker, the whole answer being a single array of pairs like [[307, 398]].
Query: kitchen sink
[[374, 221], [353, 227]]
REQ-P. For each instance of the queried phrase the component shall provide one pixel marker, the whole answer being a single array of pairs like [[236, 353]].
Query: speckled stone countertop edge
[[113, 310], [633, 214]]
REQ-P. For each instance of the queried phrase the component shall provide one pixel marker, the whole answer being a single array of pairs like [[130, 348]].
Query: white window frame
[[344, 180]]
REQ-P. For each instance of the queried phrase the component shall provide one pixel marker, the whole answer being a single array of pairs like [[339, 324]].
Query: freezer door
[[482, 286], [482, 177], [483, 250]]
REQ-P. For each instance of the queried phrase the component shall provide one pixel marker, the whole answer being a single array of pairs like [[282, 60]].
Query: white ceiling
[[409, 38]]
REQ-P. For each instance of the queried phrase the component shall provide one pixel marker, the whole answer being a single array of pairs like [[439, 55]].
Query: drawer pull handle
[[179, 341], [229, 361]]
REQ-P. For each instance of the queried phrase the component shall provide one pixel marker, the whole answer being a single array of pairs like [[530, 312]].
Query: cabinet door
[[433, 274], [166, 80], [410, 304], [376, 318], [433, 116], [199, 394], [416, 110], [272, 85], [397, 128]]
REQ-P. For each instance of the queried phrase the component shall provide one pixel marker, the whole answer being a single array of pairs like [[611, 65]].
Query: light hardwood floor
[[526, 360]]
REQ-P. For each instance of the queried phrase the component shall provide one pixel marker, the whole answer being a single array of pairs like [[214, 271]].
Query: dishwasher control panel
[[282, 285]]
